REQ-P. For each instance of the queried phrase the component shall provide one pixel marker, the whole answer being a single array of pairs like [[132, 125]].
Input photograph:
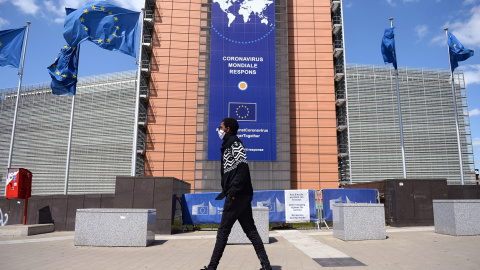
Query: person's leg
[[248, 225], [230, 214]]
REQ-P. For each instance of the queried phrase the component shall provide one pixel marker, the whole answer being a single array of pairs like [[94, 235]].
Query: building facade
[[335, 123], [307, 156], [429, 129], [102, 134]]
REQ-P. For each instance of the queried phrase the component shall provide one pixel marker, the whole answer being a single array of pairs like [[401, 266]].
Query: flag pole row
[[456, 51], [108, 26]]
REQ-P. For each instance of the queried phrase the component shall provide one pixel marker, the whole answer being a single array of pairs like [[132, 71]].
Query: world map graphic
[[245, 10]]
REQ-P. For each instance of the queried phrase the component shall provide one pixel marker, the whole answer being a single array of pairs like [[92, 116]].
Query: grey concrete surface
[[404, 248]]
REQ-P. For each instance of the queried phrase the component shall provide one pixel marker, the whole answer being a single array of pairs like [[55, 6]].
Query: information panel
[[242, 75], [297, 207]]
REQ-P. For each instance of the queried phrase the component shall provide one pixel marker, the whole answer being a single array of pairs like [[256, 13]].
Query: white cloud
[[406, 1], [391, 3], [467, 31], [472, 74], [349, 5], [439, 40], [468, 2], [136, 5], [57, 7], [474, 112], [51, 7], [26, 6], [476, 142], [3, 22], [421, 30]]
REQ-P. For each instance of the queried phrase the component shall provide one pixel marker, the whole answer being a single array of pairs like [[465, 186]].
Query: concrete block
[[115, 227], [457, 217], [261, 218], [26, 230], [359, 221]]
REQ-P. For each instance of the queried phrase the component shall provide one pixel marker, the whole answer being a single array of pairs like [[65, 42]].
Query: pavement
[[404, 248]]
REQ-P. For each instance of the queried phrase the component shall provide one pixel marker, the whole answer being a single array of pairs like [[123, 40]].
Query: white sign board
[[297, 208]]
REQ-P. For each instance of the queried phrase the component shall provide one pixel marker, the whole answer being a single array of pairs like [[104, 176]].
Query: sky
[[419, 37]]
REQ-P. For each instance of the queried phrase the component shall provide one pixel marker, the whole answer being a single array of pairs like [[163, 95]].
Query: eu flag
[[388, 47], [457, 51], [242, 111], [64, 72], [108, 26], [11, 44]]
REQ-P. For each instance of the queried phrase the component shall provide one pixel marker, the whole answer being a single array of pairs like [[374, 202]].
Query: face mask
[[221, 133]]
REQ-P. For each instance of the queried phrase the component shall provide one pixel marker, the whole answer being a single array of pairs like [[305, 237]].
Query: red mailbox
[[19, 184]]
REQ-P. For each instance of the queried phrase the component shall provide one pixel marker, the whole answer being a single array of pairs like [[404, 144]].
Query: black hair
[[232, 124]]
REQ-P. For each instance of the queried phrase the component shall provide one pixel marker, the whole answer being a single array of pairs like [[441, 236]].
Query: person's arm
[[240, 158]]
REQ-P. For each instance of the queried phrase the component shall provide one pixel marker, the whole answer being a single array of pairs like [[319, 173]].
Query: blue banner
[[242, 75], [332, 196], [202, 208]]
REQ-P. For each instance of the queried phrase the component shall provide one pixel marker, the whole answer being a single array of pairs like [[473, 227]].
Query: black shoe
[[207, 268], [266, 267]]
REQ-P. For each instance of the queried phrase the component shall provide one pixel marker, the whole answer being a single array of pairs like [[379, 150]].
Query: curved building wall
[[305, 98], [428, 117]]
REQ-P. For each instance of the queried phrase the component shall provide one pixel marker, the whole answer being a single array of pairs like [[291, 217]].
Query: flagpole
[[9, 163], [67, 169], [400, 116], [137, 100], [456, 114]]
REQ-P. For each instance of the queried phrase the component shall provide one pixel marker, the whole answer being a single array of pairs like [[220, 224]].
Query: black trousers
[[239, 209]]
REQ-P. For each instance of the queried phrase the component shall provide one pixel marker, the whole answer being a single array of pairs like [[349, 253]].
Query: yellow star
[[118, 28], [110, 13], [108, 40], [58, 72], [115, 34], [86, 29], [54, 66], [64, 76], [454, 45], [56, 59], [99, 40], [393, 52], [116, 19], [0, 43], [93, 7], [102, 8], [91, 37], [73, 48], [82, 19], [85, 11], [66, 47], [73, 76]]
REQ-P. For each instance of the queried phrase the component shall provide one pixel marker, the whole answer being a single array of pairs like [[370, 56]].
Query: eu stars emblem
[[242, 111]]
